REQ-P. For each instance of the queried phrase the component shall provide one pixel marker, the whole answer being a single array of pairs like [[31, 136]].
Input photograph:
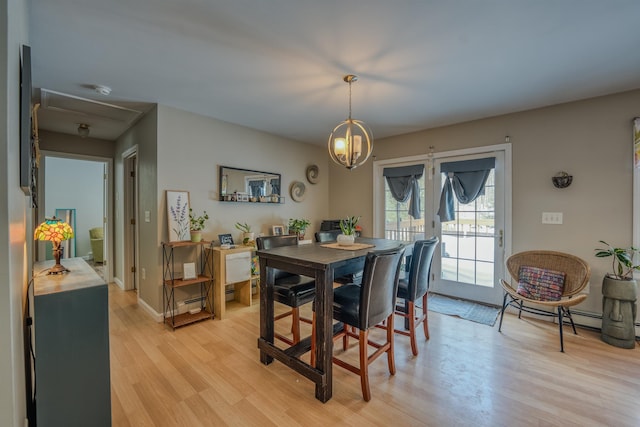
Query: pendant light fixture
[[351, 142]]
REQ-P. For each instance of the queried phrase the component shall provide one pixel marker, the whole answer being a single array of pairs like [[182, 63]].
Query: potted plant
[[298, 227], [197, 225], [619, 294], [247, 235], [348, 226]]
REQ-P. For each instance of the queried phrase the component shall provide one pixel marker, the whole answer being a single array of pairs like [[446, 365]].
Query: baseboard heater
[[192, 300]]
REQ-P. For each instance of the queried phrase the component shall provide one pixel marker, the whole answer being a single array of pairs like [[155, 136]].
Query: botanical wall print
[[178, 215]]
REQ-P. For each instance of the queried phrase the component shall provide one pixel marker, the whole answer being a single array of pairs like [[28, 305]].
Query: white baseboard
[[119, 283], [154, 314]]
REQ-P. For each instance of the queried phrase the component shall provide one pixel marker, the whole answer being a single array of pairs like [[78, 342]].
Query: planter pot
[[247, 237], [346, 239], [619, 312], [196, 236]]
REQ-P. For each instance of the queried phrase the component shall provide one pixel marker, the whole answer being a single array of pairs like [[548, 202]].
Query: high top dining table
[[320, 262]]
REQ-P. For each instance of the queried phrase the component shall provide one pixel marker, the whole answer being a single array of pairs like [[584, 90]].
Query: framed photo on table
[[178, 215], [278, 230]]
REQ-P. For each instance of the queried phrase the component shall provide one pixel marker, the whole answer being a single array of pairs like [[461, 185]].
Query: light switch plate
[[552, 217]]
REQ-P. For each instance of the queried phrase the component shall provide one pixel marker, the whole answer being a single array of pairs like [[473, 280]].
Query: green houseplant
[[619, 294], [298, 227], [247, 235], [197, 225], [348, 226], [622, 263]]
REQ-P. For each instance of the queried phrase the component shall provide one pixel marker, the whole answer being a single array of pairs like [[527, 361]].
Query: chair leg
[[391, 351], [504, 307], [312, 362], [364, 365], [520, 310], [425, 314], [573, 325], [345, 337], [560, 326], [295, 324], [412, 328]]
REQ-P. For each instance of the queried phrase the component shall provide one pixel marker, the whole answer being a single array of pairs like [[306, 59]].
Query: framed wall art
[[178, 215]]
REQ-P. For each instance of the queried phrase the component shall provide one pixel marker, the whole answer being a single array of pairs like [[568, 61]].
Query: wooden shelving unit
[[171, 283]]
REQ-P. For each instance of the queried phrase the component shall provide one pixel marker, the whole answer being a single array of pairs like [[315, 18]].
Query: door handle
[[500, 238]]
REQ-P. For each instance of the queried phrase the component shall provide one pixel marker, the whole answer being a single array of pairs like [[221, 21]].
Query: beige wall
[[190, 148], [143, 136], [16, 220], [73, 144], [590, 139]]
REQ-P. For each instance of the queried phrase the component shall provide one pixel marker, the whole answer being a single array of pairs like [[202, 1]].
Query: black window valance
[[403, 184], [466, 179]]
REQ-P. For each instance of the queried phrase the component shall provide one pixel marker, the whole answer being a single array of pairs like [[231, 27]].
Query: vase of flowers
[[348, 226], [197, 225]]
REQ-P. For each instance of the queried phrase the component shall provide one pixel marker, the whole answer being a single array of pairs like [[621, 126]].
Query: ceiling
[[277, 65]]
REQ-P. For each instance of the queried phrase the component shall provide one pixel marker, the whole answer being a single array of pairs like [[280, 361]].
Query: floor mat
[[467, 310]]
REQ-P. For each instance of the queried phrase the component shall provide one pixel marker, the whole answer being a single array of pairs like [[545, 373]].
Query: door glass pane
[[468, 241], [398, 224]]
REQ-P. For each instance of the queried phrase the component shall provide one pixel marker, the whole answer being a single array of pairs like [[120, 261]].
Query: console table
[[71, 328]]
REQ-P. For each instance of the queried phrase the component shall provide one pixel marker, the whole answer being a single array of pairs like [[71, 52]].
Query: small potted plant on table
[[247, 235], [298, 227], [197, 225], [348, 226]]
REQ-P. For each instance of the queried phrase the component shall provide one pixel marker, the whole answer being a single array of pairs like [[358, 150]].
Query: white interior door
[[470, 262]]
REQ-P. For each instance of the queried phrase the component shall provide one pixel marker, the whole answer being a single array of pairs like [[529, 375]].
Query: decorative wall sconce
[[562, 180]]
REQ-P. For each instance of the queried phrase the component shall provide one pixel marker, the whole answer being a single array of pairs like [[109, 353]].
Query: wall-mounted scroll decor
[[312, 174]]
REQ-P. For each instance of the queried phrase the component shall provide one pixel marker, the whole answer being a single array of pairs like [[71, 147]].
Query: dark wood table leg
[[266, 308], [324, 333]]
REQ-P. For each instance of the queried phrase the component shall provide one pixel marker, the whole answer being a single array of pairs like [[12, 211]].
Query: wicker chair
[[577, 274]]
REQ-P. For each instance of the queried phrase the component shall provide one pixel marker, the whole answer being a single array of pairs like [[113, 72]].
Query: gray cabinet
[[71, 327]]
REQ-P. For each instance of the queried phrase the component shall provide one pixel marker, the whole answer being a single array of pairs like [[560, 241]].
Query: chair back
[[270, 242], [379, 286], [420, 268], [327, 236], [577, 271]]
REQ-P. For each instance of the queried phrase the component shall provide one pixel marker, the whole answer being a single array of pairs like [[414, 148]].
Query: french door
[[470, 260]]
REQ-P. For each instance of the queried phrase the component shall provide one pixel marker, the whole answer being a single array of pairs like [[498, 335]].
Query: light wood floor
[[467, 374]]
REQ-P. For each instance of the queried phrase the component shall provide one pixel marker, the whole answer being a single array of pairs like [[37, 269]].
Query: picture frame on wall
[[178, 215], [278, 230], [25, 121]]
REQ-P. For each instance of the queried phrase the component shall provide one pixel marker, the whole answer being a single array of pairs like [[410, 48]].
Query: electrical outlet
[[552, 217], [144, 273]]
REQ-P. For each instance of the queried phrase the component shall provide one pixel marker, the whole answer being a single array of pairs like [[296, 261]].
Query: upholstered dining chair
[[350, 273], [416, 287], [365, 306], [546, 281], [289, 289]]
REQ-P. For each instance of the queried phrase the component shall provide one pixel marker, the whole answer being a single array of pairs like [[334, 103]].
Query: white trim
[[154, 314], [109, 253], [636, 196], [126, 157], [118, 282]]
